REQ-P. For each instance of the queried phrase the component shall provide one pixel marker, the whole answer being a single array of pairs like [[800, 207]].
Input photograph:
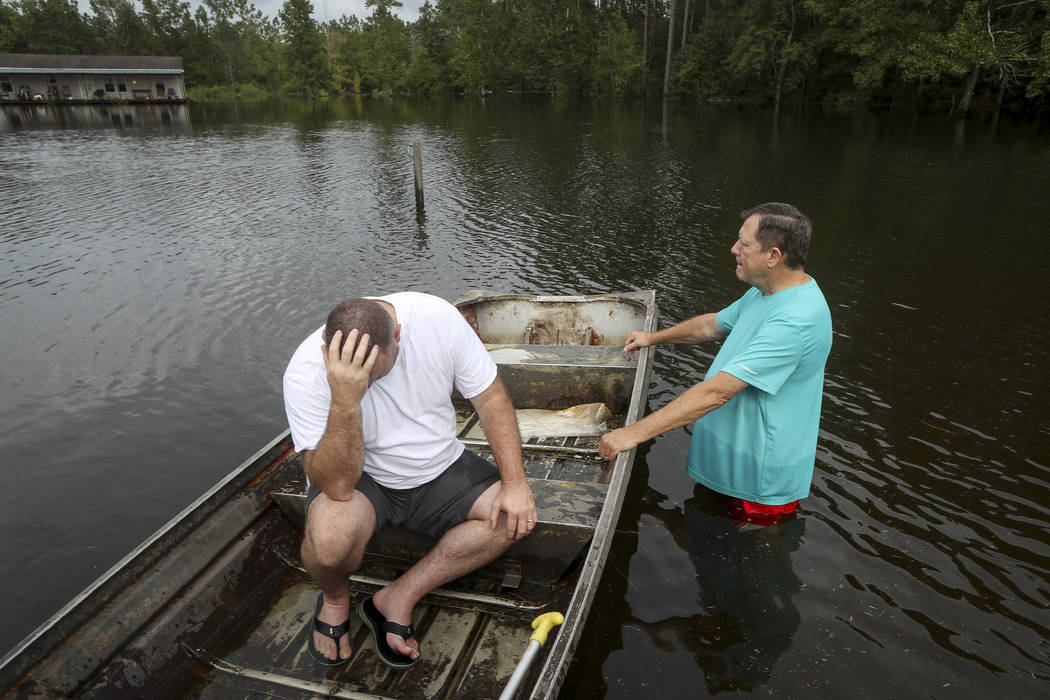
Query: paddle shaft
[[519, 672], [543, 625]]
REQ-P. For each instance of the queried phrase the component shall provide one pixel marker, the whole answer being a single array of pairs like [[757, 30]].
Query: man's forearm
[[698, 329], [514, 500], [695, 403], [501, 429], [338, 461]]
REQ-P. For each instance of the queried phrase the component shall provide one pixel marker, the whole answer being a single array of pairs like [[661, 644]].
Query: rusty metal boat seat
[[559, 376], [567, 512]]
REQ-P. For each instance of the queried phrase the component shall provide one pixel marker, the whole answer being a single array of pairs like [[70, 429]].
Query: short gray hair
[[785, 227]]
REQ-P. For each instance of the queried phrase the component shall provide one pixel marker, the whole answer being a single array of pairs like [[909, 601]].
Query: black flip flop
[[379, 625], [330, 631]]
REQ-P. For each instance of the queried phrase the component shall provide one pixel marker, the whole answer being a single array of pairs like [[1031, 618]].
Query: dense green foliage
[[945, 54]]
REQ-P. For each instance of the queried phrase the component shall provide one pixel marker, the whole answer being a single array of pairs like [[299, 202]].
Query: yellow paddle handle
[[543, 625]]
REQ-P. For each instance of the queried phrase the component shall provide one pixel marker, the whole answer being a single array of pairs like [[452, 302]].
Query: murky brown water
[[157, 268]]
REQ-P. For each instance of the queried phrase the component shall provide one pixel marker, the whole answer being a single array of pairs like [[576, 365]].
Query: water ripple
[[154, 279]]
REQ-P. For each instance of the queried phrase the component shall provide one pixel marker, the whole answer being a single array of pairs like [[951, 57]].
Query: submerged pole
[[417, 168]]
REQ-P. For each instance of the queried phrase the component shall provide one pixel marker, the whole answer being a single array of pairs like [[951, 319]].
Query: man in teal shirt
[[757, 410]]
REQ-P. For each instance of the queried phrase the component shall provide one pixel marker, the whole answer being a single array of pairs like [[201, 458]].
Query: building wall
[[78, 86]]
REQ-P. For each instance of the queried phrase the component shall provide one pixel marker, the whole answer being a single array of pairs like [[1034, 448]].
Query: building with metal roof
[[57, 78]]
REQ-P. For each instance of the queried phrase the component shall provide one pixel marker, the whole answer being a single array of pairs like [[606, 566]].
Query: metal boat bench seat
[[559, 376], [567, 512]]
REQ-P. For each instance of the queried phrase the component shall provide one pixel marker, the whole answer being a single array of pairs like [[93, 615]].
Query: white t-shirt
[[407, 418]]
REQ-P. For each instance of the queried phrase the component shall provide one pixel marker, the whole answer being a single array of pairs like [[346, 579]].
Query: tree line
[[935, 54]]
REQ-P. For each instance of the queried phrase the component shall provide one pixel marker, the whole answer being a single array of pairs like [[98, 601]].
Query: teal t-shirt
[[762, 444]]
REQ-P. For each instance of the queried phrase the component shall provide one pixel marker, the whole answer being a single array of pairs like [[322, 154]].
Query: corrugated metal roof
[[7, 70], [54, 63]]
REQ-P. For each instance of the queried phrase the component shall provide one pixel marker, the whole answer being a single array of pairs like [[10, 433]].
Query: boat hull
[[217, 604]]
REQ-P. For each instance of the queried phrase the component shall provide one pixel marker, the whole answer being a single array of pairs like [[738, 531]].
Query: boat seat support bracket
[[512, 574]]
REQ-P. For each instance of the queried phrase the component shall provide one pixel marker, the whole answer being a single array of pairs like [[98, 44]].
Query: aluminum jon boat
[[216, 604]]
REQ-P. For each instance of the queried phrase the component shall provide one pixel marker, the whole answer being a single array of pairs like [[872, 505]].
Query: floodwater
[[158, 266]]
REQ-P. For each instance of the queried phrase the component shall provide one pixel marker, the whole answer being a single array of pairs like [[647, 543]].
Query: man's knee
[[337, 536], [330, 548]]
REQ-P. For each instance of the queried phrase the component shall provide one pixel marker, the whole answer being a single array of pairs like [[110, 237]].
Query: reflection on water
[[745, 588], [124, 116], [155, 279]]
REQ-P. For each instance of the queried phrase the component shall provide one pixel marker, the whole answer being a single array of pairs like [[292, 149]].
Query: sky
[[337, 8], [324, 10]]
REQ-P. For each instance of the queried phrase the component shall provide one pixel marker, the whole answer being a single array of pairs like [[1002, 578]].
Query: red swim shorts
[[758, 513]]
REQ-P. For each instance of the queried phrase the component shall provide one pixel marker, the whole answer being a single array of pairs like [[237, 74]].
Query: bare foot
[[392, 612], [333, 613]]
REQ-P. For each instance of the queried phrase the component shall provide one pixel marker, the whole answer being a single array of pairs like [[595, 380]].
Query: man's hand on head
[[349, 367]]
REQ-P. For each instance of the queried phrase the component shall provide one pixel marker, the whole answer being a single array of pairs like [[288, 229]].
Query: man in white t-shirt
[[368, 398]]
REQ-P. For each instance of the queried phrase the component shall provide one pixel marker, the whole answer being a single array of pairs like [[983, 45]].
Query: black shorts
[[433, 508]]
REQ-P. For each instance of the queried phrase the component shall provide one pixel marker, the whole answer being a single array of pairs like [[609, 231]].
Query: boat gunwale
[[644, 298]]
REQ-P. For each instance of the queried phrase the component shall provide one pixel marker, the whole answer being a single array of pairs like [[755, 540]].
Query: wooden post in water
[[417, 168]]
